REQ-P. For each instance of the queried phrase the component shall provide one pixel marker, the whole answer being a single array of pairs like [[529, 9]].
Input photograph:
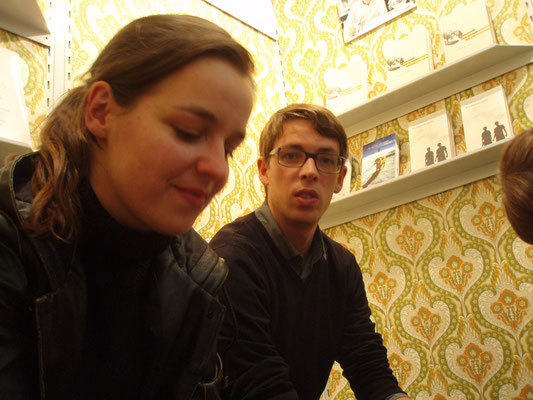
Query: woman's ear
[[100, 102]]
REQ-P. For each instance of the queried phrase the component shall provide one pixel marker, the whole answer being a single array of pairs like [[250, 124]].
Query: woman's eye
[[188, 136]]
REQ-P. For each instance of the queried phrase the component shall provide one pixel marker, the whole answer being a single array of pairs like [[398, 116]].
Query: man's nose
[[309, 169]]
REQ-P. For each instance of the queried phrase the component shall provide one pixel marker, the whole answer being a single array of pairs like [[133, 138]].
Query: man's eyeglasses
[[295, 158]]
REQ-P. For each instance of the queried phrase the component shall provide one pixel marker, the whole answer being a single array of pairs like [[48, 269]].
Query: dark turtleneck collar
[[103, 236]]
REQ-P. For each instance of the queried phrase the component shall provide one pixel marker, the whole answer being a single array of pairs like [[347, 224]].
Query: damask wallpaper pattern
[[449, 283]]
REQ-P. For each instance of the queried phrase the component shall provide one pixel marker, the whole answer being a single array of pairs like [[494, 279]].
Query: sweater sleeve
[[17, 356], [362, 356], [251, 360]]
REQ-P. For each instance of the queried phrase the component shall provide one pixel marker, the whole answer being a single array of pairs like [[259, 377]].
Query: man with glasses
[[296, 298]]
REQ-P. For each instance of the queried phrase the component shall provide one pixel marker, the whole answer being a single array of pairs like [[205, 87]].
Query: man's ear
[[340, 179], [100, 102], [262, 166]]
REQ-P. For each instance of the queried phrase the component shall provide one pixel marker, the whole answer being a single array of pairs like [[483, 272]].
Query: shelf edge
[[479, 164], [437, 85]]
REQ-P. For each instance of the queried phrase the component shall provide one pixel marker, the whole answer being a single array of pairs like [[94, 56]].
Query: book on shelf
[[380, 161], [14, 125], [408, 58], [347, 181], [346, 85], [486, 118], [431, 140], [466, 29]]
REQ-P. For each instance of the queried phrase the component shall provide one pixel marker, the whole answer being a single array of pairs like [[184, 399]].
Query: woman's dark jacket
[[43, 309]]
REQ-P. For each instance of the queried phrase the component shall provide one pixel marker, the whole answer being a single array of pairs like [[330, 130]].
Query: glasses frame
[[314, 156]]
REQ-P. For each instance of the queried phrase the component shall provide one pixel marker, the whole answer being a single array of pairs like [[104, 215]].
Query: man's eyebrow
[[320, 150]]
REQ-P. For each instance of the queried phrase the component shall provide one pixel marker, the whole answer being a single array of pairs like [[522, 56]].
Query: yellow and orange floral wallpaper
[[449, 283]]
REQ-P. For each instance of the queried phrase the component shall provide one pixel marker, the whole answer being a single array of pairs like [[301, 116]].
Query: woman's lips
[[196, 197]]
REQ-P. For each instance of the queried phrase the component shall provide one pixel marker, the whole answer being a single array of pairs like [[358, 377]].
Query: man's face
[[298, 197]]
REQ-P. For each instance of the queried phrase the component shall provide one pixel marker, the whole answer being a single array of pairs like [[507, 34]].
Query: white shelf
[[24, 17], [446, 175], [493, 61], [8, 146]]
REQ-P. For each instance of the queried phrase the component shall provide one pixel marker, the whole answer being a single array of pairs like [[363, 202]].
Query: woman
[[105, 291]]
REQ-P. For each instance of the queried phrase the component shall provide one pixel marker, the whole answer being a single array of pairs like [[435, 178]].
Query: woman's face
[[159, 162]]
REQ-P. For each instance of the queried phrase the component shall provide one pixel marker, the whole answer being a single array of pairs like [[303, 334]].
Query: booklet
[[380, 161], [346, 86], [431, 140], [408, 58], [14, 125], [466, 29], [486, 118]]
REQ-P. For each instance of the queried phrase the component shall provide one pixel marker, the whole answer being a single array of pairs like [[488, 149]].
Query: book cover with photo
[[14, 125], [408, 58], [346, 85], [380, 161], [486, 118], [431, 140], [361, 16], [346, 183], [467, 29]]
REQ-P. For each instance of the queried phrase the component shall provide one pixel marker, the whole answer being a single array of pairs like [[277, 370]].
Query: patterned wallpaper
[[449, 283]]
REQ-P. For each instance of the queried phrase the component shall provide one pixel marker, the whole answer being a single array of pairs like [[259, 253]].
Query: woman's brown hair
[[516, 174], [137, 57]]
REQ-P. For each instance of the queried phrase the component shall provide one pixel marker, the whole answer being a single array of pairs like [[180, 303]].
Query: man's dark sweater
[[292, 326]]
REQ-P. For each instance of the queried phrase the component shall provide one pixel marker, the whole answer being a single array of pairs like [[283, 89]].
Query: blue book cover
[[381, 161]]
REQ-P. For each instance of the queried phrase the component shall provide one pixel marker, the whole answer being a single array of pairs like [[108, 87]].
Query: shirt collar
[[289, 252]]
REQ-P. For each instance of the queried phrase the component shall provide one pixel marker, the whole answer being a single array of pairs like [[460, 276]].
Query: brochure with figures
[[486, 118], [431, 140], [14, 126], [408, 58], [346, 86], [466, 29], [380, 161], [346, 183]]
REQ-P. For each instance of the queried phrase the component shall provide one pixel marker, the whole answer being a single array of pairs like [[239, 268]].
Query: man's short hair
[[516, 174], [324, 121]]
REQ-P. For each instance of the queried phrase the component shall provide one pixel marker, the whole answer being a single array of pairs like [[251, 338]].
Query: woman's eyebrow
[[199, 112]]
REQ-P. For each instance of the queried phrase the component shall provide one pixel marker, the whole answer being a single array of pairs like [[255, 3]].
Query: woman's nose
[[214, 164]]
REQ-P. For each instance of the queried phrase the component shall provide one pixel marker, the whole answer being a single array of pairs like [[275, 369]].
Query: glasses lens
[[291, 157], [328, 162]]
